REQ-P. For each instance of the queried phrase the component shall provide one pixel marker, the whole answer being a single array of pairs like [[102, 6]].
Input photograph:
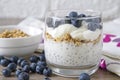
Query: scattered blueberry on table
[[20, 60], [23, 63], [33, 58], [23, 76], [12, 67], [4, 62], [26, 68], [35, 64], [47, 72], [41, 63], [14, 59], [39, 69], [6, 72], [1, 57], [18, 71], [84, 76], [33, 67]]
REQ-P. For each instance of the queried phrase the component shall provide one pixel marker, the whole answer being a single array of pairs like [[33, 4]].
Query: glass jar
[[73, 42]]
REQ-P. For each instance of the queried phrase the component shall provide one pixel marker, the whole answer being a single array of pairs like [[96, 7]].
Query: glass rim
[[98, 14]]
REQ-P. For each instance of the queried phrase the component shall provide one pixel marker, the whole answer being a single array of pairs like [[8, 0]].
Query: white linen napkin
[[34, 22], [112, 64], [111, 52], [111, 46]]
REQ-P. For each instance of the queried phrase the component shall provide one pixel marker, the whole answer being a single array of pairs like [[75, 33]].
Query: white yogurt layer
[[91, 35], [78, 34], [61, 30], [81, 33], [67, 54]]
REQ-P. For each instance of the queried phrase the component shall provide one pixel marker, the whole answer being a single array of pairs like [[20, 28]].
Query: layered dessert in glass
[[73, 42]]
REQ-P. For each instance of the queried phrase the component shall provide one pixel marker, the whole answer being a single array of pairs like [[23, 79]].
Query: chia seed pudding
[[73, 42], [64, 54]]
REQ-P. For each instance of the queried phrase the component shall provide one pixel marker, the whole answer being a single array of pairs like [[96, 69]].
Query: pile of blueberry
[[22, 67], [74, 19], [92, 22]]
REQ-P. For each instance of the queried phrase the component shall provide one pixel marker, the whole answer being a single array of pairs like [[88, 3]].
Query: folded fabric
[[111, 45], [34, 22], [112, 64], [31, 21], [111, 52]]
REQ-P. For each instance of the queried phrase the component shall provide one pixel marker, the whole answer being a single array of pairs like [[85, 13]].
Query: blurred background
[[38, 8]]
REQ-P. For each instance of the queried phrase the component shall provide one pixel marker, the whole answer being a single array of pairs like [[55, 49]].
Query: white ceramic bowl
[[20, 46]]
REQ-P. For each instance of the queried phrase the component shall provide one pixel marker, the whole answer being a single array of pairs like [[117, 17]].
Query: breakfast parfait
[[73, 42]]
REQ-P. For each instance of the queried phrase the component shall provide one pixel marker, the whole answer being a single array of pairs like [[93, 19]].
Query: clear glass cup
[[73, 41]]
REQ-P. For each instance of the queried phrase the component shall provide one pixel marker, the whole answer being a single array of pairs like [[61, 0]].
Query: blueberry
[[73, 14], [14, 59], [95, 20], [4, 62], [23, 63], [68, 21], [56, 23], [42, 57], [1, 57], [41, 63], [49, 22], [76, 23], [88, 20], [92, 26], [81, 15], [33, 67], [6, 72], [26, 68], [33, 58], [84, 76], [20, 60], [47, 72], [99, 26], [53, 22], [39, 69], [18, 72], [12, 66], [46, 78], [23, 76]]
